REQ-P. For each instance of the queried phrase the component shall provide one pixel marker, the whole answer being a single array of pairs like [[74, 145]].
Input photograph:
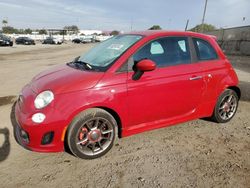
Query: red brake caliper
[[83, 134]]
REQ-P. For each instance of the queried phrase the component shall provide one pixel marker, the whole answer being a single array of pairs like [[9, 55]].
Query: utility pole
[[131, 24], [186, 24], [203, 18]]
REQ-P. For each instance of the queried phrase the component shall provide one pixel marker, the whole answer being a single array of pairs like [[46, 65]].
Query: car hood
[[6, 39], [64, 79]]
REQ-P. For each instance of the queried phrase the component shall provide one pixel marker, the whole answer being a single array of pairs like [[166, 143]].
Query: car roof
[[169, 33]]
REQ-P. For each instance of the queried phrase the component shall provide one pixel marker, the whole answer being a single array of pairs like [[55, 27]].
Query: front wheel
[[226, 106], [91, 134]]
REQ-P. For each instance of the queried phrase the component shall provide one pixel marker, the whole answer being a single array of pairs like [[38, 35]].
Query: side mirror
[[142, 66], [146, 65]]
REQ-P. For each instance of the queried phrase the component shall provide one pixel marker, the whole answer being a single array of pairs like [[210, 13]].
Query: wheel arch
[[236, 89], [116, 116], [108, 109]]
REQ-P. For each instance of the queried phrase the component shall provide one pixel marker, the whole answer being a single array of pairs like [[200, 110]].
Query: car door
[[213, 68], [172, 91]]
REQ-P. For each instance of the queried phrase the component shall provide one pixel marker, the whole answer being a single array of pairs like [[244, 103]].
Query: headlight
[[43, 99]]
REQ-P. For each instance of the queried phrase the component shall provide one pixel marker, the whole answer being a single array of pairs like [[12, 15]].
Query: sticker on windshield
[[115, 46]]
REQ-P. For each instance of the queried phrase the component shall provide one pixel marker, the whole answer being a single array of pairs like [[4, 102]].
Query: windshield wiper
[[87, 66], [77, 62]]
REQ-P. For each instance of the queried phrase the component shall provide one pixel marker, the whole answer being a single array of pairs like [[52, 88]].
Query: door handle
[[195, 78]]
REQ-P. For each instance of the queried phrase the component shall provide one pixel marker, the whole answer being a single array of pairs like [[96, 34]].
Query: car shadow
[[5, 146]]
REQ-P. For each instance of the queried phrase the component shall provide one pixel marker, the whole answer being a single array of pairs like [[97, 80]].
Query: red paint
[[146, 65], [160, 98]]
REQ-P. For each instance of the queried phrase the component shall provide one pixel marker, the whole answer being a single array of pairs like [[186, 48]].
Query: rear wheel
[[91, 134], [226, 106]]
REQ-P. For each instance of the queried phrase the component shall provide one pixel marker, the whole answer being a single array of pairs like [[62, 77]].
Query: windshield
[[3, 37], [106, 52]]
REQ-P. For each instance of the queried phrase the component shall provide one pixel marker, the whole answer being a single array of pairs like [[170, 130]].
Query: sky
[[123, 15]]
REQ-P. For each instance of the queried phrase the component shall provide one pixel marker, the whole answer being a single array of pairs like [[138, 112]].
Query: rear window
[[204, 50]]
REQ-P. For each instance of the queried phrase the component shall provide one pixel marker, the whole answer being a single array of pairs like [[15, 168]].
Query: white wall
[[66, 37], [42, 37]]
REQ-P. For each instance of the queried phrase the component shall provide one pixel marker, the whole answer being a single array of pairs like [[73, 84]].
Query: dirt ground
[[194, 154]]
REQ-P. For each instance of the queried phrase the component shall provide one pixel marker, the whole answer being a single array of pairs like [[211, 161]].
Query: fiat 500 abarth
[[128, 84]]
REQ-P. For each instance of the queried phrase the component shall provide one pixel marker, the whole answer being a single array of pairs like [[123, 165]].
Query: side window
[[204, 50], [156, 48], [182, 44], [165, 52]]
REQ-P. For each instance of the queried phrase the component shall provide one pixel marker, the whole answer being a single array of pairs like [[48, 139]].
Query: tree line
[[198, 28], [11, 30], [73, 29]]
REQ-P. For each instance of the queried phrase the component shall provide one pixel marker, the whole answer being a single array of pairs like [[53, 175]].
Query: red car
[[128, 84]]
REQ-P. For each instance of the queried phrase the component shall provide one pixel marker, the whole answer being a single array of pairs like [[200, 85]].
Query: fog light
[[47, 138], [38, 117]]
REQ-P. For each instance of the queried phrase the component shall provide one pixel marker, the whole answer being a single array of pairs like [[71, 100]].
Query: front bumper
[[6, 43], [36, 133]]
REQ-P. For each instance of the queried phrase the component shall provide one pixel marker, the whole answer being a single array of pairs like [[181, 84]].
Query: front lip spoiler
[[18, 138], [17, 129]]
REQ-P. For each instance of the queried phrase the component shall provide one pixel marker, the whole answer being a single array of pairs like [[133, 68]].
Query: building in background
[[90, 32]]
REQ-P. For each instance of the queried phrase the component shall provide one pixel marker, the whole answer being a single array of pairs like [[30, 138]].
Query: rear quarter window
[[204, 50]]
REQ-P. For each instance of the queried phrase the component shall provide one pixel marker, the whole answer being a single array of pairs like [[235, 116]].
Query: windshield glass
[[3, 37], [106, 52]]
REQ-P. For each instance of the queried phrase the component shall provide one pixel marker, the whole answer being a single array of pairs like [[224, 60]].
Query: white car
[[52, 40]]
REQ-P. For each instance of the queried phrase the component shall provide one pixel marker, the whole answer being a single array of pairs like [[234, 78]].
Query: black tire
[[217, 117], [76, 127]]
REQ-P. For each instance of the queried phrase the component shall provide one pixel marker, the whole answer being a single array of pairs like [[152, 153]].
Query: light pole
[[203, 18]]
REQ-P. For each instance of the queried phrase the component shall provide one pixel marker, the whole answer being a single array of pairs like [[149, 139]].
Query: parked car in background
[[52, 40], [100, 38], [83, 39], [5, 41], [77, 40], [128, 84], [87, 39], [25, 41]]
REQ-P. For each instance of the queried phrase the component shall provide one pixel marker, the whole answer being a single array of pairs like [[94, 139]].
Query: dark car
[[25, 40], [52, 40], [77, 40], [5, 41]]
